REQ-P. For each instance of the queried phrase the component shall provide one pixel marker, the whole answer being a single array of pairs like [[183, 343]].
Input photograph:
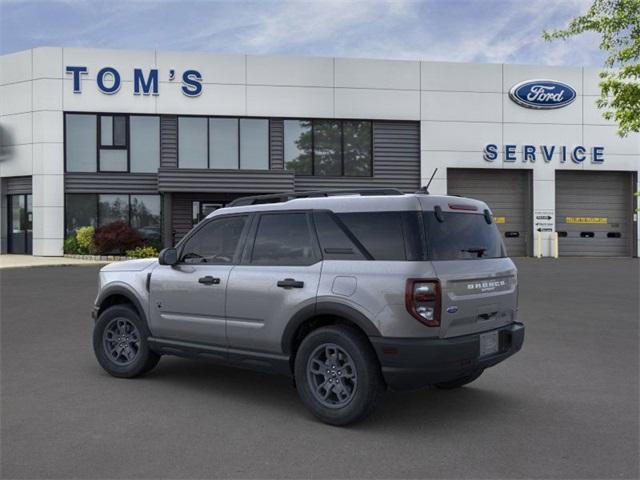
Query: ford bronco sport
[[349, 293]]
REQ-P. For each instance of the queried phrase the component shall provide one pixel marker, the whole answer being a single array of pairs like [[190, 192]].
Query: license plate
[[488, 343]]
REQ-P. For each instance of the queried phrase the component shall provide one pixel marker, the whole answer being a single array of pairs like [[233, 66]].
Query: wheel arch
[[118, 295]]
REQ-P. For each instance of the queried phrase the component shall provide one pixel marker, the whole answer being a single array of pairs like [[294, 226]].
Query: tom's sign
[[542, 94], [109, 80]]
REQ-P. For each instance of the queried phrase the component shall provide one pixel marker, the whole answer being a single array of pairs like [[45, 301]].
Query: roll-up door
[[594, 213], [507, 192]]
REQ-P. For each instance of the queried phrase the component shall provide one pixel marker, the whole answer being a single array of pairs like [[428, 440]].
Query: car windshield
[[462, 236]]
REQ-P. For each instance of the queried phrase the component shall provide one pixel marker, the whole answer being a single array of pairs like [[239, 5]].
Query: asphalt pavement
[[566, 406]]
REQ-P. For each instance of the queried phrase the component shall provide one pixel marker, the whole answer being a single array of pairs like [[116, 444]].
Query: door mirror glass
[[168, 256]]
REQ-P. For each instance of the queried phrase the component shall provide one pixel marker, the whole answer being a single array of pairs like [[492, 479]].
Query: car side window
[[283, 239], [215, 243]]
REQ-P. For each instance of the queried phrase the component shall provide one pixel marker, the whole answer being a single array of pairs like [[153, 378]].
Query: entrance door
[[20, 222]]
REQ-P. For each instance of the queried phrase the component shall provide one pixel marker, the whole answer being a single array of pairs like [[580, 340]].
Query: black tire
[[361, 385], [459, 382], [134, 358]]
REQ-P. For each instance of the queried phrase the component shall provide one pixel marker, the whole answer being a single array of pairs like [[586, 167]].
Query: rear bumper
[[409, 363]]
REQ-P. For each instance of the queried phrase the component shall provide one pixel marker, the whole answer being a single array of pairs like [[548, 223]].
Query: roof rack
[[286, 196]]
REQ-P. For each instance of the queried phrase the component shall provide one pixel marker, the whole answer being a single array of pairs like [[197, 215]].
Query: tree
[[618, 23]]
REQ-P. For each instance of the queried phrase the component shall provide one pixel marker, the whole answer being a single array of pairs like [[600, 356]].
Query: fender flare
[[125, 292], [326, 308]]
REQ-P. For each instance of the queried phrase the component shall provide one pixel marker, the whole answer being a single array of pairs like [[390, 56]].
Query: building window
[[80, 142], [192, 142], [112, 143], [141, 212], [329, 147], [223, 143]]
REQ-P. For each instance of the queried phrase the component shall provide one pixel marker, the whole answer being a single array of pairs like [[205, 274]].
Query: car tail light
[[422, 299]]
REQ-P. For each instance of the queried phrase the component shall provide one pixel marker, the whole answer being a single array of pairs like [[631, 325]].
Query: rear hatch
[[478, 282]]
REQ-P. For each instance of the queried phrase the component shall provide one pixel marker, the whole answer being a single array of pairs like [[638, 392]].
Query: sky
[[484, 31]]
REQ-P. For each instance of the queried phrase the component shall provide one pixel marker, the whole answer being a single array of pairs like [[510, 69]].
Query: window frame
[[98, 116], [239, 130], [240, 249], [247, 253], [341, 121]]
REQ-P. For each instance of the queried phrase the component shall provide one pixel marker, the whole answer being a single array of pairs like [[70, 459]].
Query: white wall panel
[[15, 98], [15, 129], [461, 106], [391, 74], [592, 114], [607, 136], [48, 190], [47, 62], [377, 104], [591, 79], [289, 71], [48, 159], [289, 101], [461, 77], [214, 68], [15, 67], [48, 126], [16, 161], [47, 94], [459, 136], [48, 222], [571, 114], [93, 100], [47, 247], [542, 134], [514, 74], [215, 99], [124, 61]]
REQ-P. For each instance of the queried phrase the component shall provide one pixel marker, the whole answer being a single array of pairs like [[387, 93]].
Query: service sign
[[542, 94], [544, 220]]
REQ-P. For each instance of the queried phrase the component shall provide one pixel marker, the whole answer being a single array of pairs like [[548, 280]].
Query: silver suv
[[349, 293]]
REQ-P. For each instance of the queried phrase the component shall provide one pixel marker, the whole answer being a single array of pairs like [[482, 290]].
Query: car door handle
[[209, 280], [290, 283]]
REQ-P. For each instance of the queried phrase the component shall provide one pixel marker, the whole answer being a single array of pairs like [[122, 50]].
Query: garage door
[[594, 213], [507, 192]]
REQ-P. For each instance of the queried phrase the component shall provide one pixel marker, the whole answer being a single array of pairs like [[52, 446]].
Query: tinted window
[[327, 148], [192, 142], [334, 242], [81, 210], [379, 232], [462, 236], [215, 243], [80, 142], [283, 239], [112, 208], [254, 144], [145, 143], [145, 217], [357, 148], [113, 160], [223, 142], [297, 146]]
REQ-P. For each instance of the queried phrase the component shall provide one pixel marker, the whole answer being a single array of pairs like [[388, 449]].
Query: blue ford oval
[[542, 94]]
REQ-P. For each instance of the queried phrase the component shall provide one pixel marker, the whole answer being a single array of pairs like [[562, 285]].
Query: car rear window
[[461, 236], [380, 233]]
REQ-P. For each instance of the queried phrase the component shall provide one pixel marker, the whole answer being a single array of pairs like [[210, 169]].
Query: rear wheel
[[120, 343], [459, 382], [337, 375]]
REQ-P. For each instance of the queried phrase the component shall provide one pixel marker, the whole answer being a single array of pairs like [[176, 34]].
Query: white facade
[[461, 107]]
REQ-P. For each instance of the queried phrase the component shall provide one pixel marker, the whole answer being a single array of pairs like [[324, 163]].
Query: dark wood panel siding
[[182, 216], [231, 181], [168, 141], [110, 182], [18, 185], [396, 161], [276, 144]]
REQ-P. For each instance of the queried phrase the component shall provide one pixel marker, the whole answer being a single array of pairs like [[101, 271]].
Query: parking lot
[[564, 407]]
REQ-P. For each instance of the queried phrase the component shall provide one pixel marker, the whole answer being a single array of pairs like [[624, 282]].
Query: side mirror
[[168, 256]]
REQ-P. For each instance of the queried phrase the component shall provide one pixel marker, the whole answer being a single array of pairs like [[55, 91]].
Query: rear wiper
[[480, 251]]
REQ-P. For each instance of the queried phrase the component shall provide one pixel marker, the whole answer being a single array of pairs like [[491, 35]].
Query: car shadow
[[407, 410]]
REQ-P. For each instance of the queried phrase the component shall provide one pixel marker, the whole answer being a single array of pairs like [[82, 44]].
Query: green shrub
[[147, 251], [71, 245], [84, 237]]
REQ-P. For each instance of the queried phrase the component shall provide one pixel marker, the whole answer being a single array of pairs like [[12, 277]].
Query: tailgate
[[477, 295]]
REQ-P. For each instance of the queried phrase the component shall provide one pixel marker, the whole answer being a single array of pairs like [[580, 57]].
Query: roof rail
[[286, 196]]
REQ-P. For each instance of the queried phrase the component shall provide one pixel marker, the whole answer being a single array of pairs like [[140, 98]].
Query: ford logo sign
[[542, 94]]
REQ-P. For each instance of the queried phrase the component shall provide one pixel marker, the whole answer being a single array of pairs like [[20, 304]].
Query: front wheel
[[337, 375], [120, 343]]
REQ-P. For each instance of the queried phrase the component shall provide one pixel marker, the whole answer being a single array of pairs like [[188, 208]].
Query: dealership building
[[160, 139]]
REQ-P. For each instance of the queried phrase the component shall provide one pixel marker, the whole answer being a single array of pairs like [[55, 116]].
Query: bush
[[147, 251], [85, 240], [116, 237], [71, 245]]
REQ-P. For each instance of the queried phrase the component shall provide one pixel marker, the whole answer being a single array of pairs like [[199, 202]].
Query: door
[[187, 300], [507, 192], [20, 224], [594, 215], [279, 275]]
